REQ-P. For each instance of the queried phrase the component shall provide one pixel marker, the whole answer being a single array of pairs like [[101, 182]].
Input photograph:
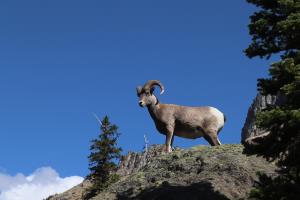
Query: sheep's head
[[145, 93]]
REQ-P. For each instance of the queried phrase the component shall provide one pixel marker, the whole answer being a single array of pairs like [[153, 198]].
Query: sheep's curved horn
[[152, 83], [139, 89]]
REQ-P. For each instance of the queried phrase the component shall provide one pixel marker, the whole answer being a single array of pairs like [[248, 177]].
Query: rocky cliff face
[[202, 172], [260, 102]]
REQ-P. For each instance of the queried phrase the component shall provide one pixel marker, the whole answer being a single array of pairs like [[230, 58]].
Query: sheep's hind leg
[[212, 138], [172, 141]]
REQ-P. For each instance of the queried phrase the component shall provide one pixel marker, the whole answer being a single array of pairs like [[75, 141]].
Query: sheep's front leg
[[169, 136]]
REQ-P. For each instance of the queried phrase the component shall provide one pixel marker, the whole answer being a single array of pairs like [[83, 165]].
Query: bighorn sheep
[[182, 121]]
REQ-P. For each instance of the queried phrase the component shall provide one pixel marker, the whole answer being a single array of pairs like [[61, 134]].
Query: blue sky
[[60, 61]]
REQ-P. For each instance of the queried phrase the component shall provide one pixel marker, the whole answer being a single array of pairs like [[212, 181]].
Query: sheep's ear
[[152, 90], [138, 90]]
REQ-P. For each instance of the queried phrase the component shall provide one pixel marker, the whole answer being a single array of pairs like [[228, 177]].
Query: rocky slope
[[202, 172]]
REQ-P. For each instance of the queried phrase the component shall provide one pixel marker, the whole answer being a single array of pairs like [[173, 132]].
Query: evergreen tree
[[275, 29], [103, 157]]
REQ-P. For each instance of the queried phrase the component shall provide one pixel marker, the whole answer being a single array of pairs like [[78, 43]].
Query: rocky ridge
[[221, 172]]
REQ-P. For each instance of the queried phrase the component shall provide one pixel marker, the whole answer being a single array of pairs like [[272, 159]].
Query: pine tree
[[275, 29], [103, 157]]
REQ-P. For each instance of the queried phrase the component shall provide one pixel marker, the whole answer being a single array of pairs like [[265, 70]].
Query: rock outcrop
[[201, 172], [250, 129], [133, 161], [254, 138]]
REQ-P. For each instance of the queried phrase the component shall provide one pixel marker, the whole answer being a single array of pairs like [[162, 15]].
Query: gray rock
[[249, 129], [133, 161]]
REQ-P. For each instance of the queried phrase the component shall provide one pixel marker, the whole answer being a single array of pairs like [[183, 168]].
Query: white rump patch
[[219, 115]]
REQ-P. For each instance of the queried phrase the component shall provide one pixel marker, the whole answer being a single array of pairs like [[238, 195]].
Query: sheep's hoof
[[168, 149]]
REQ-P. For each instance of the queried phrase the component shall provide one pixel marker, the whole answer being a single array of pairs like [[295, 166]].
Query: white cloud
[[39, 185]]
